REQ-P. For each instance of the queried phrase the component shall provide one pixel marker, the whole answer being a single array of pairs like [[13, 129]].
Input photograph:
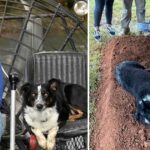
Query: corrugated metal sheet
[[70, 67]]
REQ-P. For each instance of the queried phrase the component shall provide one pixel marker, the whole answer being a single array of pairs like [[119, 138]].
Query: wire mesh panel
[[73, 136], [73, 143], [29, 26]]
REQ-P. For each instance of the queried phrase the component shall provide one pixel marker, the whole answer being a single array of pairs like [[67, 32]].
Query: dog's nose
[[39, 106]]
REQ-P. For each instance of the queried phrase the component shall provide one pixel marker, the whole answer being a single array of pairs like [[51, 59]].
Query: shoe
[[143, 27], [110, 30], [144, 33], [125, 31], [97, 35]]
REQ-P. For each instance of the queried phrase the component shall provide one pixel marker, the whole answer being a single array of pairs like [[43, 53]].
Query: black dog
[[76, 97], [47, 106], [135, 79]]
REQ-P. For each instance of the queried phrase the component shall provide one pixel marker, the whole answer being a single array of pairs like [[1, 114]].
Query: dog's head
[[40, 96], [144, 110], [146, 102]]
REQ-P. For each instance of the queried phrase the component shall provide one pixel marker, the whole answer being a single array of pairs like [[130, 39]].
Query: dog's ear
[[53, 84], [25, 88]]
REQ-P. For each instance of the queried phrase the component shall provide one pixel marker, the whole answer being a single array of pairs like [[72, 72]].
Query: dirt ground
[[116, 127]]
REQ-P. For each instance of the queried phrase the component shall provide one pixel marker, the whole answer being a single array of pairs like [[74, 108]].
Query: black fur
[[135, 79], [75, 94]]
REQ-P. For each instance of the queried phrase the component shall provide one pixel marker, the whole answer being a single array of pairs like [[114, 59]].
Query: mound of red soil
[[116, 127]]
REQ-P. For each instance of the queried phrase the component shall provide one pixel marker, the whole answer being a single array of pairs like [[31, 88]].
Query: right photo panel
[[119, 40]]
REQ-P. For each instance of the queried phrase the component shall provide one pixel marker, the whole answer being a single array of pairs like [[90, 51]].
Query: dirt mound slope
[[116, 127]]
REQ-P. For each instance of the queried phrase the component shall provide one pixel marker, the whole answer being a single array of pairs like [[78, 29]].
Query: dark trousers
[[99, 7], [127, 9]]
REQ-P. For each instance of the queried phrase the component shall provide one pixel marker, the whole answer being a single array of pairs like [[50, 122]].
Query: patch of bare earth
[[116, 127]]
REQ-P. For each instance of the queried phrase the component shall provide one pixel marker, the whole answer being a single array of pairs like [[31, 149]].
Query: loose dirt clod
[[116, 127]]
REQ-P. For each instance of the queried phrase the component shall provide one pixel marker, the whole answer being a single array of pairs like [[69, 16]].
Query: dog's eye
[[45, 94], [33, 94]]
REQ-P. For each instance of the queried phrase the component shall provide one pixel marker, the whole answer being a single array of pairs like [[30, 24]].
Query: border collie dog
[[48, 106], [135, 79]]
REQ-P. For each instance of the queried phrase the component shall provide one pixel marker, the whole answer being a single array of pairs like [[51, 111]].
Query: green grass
[[95, 48]]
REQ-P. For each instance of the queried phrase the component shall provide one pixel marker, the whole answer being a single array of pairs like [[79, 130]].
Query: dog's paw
[[71, 119], [43, 143], [40, 138], [141, 117], [51, 145], [51, 140], [146, 122]]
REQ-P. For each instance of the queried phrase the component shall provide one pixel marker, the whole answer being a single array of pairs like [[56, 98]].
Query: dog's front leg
[[140, 110], [51, 139], [40, 138]]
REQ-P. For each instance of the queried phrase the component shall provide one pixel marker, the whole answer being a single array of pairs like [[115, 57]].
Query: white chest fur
[[44, 120]]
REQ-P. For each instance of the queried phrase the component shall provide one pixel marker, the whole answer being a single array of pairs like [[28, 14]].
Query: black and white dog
[[47, 106], [135, 79]]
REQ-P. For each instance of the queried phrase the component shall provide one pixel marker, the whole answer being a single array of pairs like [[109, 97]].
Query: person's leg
[[99, 6], [140, 10], [126, 15], [109, 11]]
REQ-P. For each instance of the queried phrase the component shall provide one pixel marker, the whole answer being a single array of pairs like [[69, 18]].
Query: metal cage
[[70, 67]]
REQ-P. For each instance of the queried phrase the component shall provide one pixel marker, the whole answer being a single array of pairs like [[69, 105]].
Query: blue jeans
[[99, 7]]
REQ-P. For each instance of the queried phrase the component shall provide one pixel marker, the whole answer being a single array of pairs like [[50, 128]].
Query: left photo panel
[[43, 75]]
